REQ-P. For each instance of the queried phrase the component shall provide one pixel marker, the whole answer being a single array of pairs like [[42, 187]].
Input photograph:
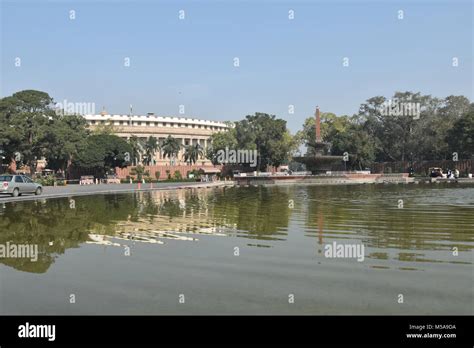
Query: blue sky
[[190, 61]]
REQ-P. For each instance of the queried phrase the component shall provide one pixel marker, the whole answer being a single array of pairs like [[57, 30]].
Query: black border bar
[[241, 330]]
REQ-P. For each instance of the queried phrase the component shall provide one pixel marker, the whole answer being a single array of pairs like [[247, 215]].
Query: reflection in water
[[432, 222], [184, 241]]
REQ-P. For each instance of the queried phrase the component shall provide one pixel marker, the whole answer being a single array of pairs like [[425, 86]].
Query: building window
[[148, 123]]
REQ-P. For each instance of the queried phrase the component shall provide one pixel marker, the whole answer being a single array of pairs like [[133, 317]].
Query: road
[[78, 190]]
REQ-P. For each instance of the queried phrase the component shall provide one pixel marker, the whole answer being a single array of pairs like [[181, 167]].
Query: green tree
[[409, 137], [192, 153], [262, 132], [136, 149], [140, 172], [357, 143], [330, 125], [25, 118], [64, 139], [170, 147], [461, 136], [392, 133], [266, 134], [151, 147], [219, 142], [104, 152]]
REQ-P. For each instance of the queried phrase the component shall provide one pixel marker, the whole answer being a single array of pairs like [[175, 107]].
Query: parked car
[[436, 172], [16, 185]]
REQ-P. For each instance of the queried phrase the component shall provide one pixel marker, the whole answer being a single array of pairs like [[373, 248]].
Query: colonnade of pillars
[[159, 157]]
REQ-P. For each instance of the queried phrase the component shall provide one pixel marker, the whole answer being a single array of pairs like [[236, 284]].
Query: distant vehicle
[[86, 180], [436, 172], [16, 185], [46, 172]]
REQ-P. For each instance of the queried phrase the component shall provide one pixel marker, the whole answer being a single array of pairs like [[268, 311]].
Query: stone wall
[[122, 173]]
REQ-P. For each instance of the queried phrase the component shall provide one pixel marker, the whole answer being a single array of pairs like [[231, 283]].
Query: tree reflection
[[59, 224]]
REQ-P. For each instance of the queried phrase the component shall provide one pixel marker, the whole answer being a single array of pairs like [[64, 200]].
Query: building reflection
[[143, 217], [417, 234]]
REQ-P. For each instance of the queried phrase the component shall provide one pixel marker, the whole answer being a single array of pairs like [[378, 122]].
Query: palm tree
[[170, 147], [136, 147], [192, 153], [151, 146]]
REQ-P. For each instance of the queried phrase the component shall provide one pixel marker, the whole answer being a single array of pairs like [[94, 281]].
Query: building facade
[[188, 131]]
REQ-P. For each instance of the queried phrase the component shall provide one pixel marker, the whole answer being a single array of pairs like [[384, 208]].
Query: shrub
[[177, 175], [157, 175], [50, 180], [46, 180], [140, 172]]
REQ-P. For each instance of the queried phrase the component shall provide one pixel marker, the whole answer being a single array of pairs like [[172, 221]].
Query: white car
[[16, 185]]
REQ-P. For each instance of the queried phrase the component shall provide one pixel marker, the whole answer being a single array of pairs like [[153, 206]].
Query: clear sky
[[190, 62]]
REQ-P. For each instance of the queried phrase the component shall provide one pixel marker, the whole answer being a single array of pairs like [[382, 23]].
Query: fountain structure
[[320, 161]]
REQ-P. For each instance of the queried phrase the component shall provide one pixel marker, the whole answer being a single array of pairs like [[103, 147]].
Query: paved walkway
[[78, 190]]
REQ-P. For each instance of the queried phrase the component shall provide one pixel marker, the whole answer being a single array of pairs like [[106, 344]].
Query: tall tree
[[104, 152], [24, 121], [192, 153], [136, 149], [330, 124], [151, 147], [461, 136], [219, 142], [170, 147], [266, 134], [65, 138], [357, 143]]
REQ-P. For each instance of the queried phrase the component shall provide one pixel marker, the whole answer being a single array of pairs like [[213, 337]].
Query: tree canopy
[[105, 152], [262, 132], [381, 132]]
